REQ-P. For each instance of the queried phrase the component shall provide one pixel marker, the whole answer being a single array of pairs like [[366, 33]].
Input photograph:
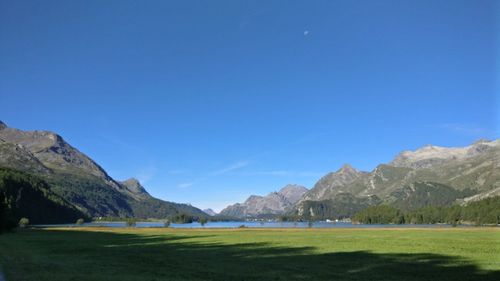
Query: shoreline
[[169, 229]]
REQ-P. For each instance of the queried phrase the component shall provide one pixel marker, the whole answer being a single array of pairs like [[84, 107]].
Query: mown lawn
[[251, 254]]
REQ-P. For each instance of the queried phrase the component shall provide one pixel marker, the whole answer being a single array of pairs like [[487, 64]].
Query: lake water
[[236, 224]]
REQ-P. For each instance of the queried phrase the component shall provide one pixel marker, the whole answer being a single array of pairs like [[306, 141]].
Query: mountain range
[[78, 180], [273, 204], [42, 165], [429, 176]]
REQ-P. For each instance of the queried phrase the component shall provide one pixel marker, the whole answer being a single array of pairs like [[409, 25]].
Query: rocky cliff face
[[274, 203], [78, 179]]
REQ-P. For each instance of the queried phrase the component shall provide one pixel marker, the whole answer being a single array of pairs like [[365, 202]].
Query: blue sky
[[208, 102]]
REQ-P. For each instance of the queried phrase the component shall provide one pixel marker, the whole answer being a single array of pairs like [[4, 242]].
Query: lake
[[236, 224]]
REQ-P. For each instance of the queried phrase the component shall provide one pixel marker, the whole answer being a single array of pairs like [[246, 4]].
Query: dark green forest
[[486, 211], [23, 195]]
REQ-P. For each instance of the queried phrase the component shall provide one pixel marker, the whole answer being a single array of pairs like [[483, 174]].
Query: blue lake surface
[[236, 224]]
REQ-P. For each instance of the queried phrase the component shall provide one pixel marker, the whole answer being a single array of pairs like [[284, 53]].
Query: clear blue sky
[[208, 102]]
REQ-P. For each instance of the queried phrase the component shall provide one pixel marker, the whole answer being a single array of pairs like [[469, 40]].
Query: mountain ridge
[[80, 180], [453, 174], [275, 203]]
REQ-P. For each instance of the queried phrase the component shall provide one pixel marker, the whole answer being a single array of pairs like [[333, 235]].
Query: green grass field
[[251, 254]]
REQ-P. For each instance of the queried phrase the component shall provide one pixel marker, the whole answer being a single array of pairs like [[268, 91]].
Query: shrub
[[182, 218], [3, 213], [130, 222], [203, 221], [166, 223], [24, 222], [79, 221]]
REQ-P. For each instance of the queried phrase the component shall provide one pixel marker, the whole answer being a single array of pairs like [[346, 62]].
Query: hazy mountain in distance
[[78, 179], [210, 212], [274, 203]]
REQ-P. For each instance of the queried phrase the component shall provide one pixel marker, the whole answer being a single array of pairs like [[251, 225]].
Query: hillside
[[28, 196], [429, 176], [80, 180]]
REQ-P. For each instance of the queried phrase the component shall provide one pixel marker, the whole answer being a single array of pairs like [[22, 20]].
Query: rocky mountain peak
[[253, 198], [347, 169], [134, 186], [2, 125], [209, 212], [481, 146], [481, 141], [333, 182], [431, 155], [132, 182], [292, 192], [51, 150], [290, 187]]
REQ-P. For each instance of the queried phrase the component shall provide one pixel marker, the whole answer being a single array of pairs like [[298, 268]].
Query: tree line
[[483, 212]]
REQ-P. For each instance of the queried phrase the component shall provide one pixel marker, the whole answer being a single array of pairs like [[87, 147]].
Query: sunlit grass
[[251, 254]]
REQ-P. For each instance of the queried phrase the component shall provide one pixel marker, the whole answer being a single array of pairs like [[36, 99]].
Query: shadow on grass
[[80, 255]]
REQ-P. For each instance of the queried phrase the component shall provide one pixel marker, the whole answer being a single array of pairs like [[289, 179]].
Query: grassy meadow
[[251, 254]]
